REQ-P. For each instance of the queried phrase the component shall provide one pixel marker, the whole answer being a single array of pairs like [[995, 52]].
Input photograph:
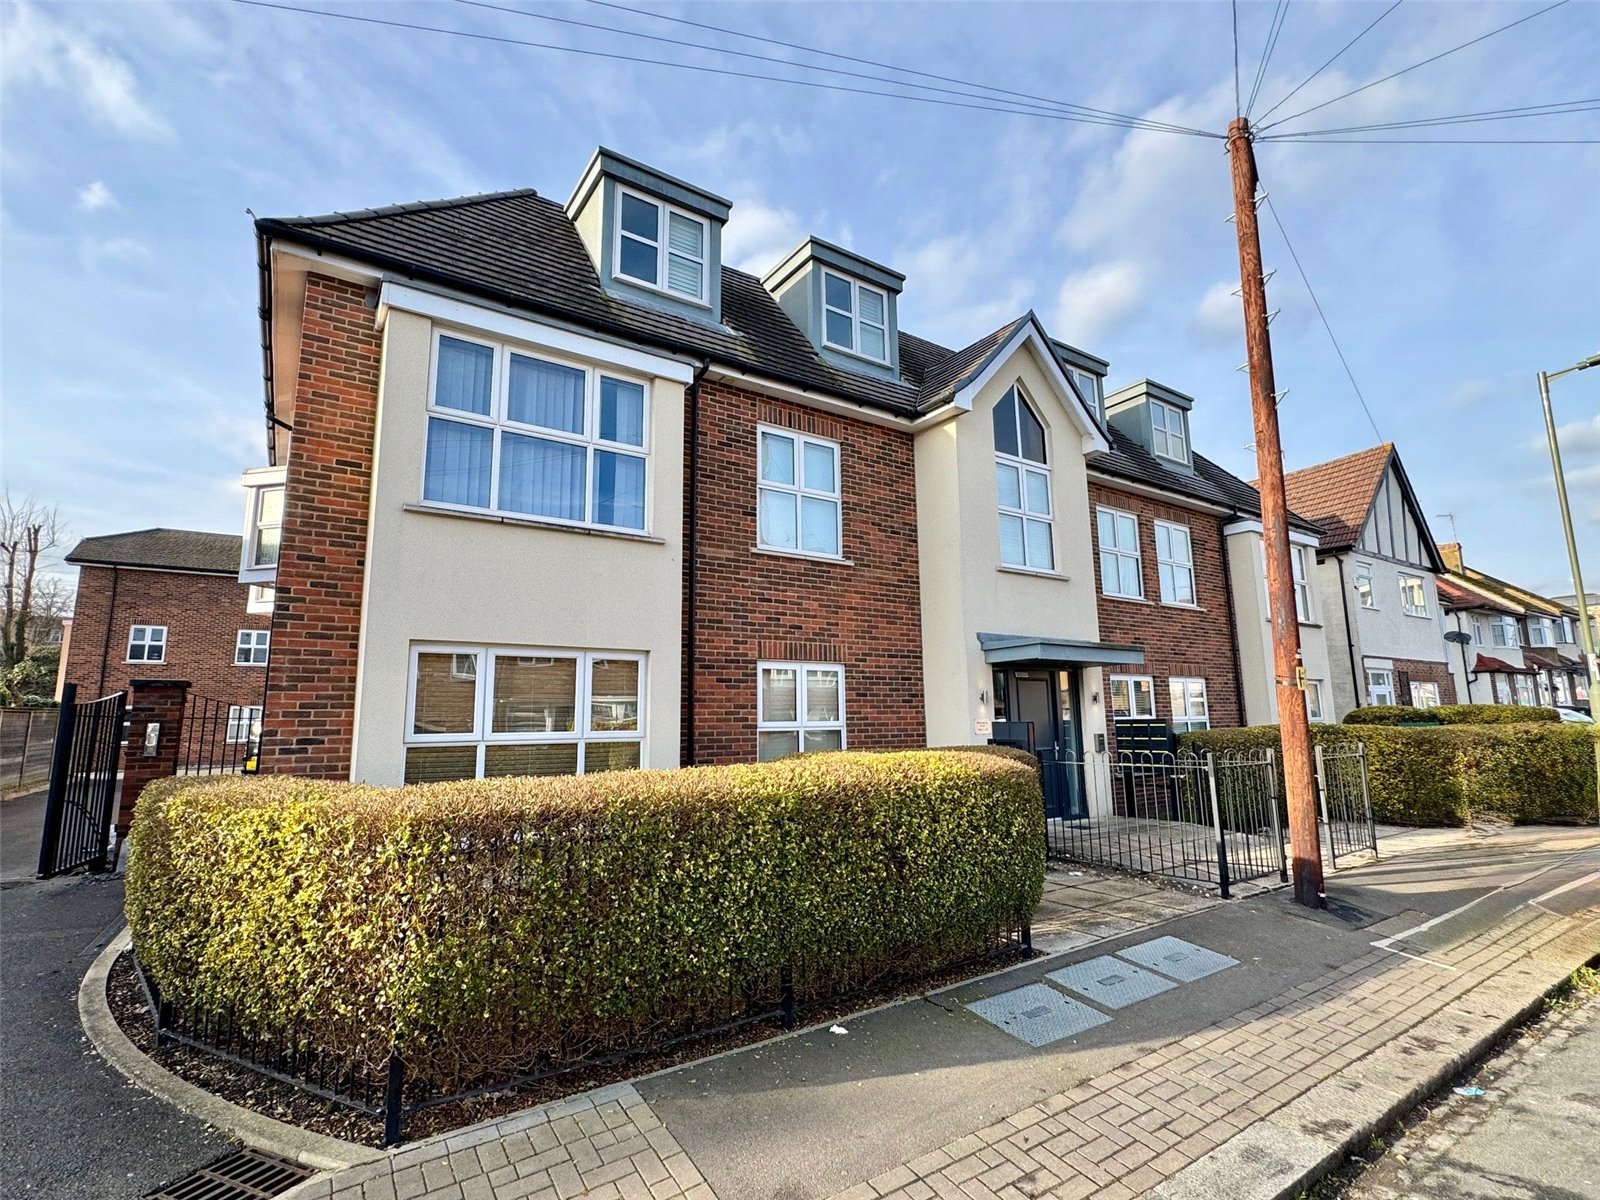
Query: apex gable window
[[1363, 585], [1167, 433], [855, 317], [1413, 595], [251, 648], [798, 493], [661, 246], [1190, 710], [529, 435], [482, 711], [147, 644], [1175, 563], [1120, 572], [799, 706], [1133, 697], [1022, 485]]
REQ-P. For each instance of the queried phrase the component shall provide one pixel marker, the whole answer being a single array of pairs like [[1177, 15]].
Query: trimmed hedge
[[492, 927], [1450, 714], [1448, 775]]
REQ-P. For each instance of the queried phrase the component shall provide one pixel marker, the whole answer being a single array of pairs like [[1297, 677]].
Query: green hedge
[[488, 927], [1450, 714], [1448, 775]]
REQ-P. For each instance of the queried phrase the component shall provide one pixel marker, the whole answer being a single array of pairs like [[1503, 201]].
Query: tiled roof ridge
[[391, 210]]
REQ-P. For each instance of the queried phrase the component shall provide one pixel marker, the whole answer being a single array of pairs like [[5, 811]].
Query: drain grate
[[240, 1175], [1181, 960], [1110, 981], [1037, 1014]]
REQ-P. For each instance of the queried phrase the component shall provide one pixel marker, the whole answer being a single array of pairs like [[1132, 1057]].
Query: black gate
[[83, 784]]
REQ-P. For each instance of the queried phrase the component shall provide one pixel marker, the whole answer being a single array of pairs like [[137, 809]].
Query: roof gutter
[[264, 313], [691, 397]]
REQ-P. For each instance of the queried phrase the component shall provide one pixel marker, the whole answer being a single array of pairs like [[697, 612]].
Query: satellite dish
[[1459, 638]]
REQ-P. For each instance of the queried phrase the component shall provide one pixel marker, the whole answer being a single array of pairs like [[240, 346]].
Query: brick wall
[[309, 723], [754, 606], [1184, 642], [203, 615], [1409, 670]]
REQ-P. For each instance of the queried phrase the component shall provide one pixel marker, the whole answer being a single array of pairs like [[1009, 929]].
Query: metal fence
[[82, 800], [219, 737], [1210, 819], [27, 736], [1344, 806]]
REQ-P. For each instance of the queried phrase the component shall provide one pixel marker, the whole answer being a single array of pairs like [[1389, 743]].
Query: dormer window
[[855, 317], [660, 246], [1167, 434]]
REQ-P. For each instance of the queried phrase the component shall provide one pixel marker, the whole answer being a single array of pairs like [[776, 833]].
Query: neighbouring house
[[168, 604], [1377, 571]]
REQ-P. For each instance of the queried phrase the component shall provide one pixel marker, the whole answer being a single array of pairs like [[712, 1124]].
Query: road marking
[[1566, 887]]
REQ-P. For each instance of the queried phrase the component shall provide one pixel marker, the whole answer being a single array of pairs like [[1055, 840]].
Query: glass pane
[[777, 458], [1032, 433], [458, 463], [446, 693], [1005, 424], [776, 743], [1180, 546], [824, 739], [1011, 541], [1040, 553], [686, 234], [618, 490], [158, 634], [613, 696], [1038, 492], [822, 695], [541, 477], [638, 261], [1008, 485], [1119, 698], [836, 291], [778, 694], [1105, 527], [621, 411], [683, 275], [545, 393], [1110, 577], [271, 506], [465, 371], [530, 760], [268, 538], [871, 306], [1127, 533], [1163, 541], [534, 694], [819, 525], [641, 217], [819, 468], [778, 520], [435, 764], [1144, 698], [1184, 579], [872, 342], [1128, 573], [1164, 574], [610, 756], [839, 330]]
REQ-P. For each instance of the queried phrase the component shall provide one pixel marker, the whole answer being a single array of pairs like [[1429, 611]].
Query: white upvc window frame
[[1477, 631], [243, 724], [1183, 691], [1541, 631], [1503, 693], [1361, 582], [1026, 469], [802, 724], [147, 642], [1527, 693], [1171, 567], [663, 248], [857, 320], [1420, 609], [260, 599], [1130, 685], [1425, 694], [499, 423], [1118, 552], [1302, 560], [251, 647], [1315, 712], [482, 735], [800, 490], [1503, 632], [262, 485], [1171, 430], [1380, 692]]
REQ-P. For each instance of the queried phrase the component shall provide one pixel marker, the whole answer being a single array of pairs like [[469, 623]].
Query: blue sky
[[137, 135]]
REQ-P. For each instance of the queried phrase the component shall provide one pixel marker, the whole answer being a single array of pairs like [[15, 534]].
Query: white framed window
[[1362, 578], [147, 644], [530, 435], [1088, 386], [1525, 693], [661, 246], [1175, 563], [244, 723], [1300, 558], [483, 711], [1022, 485], [1502, 690], [1413, 595], [1168, 438], [1503, 632], [1313, 700], [798, 493], [1380, 686], [1133, 697], [1190, 711], [250, 650], [855, 317], [1545, 696], [265, 527], [260, 599], [1541, 631], [1121, 571], [1563, 690], [1477, 631], [1424, 695], [799, 706]]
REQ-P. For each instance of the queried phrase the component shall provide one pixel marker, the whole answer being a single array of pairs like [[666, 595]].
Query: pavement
[[72, 1126]]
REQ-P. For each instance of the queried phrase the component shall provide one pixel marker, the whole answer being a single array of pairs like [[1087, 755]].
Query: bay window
[[1175, 563], [799, 706], [1120, 569], [1022, 485], [1503, 632], [798, 494]]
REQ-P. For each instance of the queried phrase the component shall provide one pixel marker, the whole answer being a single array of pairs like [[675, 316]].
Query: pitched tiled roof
[[1513, 598], [1458, 597], [170, 549], [1337, 494], [1487, 665]]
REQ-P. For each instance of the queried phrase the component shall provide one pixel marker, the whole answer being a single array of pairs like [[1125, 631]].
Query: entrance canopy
[[1065, 652]]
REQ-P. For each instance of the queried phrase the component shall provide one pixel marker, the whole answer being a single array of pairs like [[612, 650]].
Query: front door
[[1046, 701]]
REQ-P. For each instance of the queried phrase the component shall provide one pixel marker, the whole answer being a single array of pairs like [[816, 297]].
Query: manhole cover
[[1110, 982], [1037, 1014], [241, 1175], [1177, 958]]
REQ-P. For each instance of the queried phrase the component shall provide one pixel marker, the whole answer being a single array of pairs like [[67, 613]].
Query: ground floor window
[[1190, 710], [1313, 700], [483, 711], [1424, 695], [1380, 686], [1563, 690], [1525, 694], [1502, 690], [799, 706], [1133, 698], [251, 648], [244, 723]]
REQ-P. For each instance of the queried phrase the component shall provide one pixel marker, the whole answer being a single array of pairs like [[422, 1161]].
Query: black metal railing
[[219, 737], [1344, 805], [83, 784]]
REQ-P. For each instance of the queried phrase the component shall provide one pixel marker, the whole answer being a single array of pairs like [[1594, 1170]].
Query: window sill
[[1184, 607], [778, 552], [1128, 600], [1421, 616], [668, 293], [1035, 572], [856, 354], [144, 662], [626, 535]]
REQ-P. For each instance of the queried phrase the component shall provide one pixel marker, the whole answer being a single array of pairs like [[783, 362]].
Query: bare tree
[[29, 531]]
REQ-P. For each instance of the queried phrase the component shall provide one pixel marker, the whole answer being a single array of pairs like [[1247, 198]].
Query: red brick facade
[[865, 614], [1409, 670], [1184, 642], [308, 727], [203, 615]]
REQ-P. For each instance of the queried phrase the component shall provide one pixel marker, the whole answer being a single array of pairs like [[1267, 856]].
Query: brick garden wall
[[753, 606]]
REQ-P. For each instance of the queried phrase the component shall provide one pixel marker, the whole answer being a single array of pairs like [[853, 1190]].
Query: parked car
[[1574, 715]]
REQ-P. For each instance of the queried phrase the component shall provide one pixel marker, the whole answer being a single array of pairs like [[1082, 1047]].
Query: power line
[[1273, 31], [1331, 61], [1238, 104], [1278, 221], [1335, 141], [1423, 63], [1559, 109], [869, 62]]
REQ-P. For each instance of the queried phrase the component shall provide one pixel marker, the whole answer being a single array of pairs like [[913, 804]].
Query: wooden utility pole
[[1293, 724]]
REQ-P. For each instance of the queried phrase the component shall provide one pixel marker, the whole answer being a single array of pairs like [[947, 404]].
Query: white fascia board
[[1093, 438], [264, 476], [1176, 499], [500, 323], [811, 399], [1295, 536], [326, 261]]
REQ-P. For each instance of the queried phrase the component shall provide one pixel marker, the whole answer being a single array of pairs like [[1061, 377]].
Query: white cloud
[[1219, 317], [95, 197], [1471, 393], [94, 254], [36, 50], [958, 290], [1096, 300], [757, 235], [1579, 437]]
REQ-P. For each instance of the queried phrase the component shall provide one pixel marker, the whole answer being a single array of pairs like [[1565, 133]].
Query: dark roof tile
[[169, 549]]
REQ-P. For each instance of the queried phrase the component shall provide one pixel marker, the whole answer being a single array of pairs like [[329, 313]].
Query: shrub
[[1493, 714], [490, 927], [1390, 714]]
